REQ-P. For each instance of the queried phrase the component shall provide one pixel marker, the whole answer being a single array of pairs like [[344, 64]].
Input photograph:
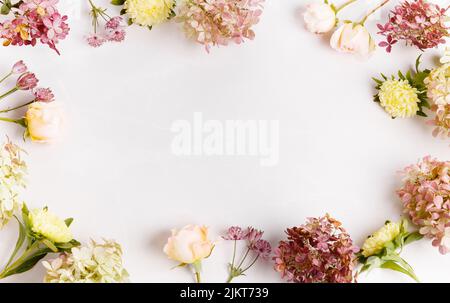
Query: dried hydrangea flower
[[12, 178], [149, 12], [218, 22], [419, 23], [319, 251], [438, 91], [382, 249], [94, 263], [426, 199]]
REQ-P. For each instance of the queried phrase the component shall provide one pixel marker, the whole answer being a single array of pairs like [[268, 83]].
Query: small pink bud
[[19, 68], [27, 81]]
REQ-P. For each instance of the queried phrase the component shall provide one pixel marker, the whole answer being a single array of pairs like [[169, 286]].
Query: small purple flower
[[262, 248], [43, 95], [27, 81], [19, 68], [95, 40], [234, 233]]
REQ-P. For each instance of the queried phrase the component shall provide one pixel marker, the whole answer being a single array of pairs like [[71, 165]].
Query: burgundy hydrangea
[[419, 23], [320, 251], [426, 199]]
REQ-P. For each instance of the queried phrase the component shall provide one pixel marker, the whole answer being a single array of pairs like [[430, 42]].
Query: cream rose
[[189, 245], [44, 121], [353, 38], [319, 18]]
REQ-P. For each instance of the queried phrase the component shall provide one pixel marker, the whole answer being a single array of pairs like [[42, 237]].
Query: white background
[[115, 174]]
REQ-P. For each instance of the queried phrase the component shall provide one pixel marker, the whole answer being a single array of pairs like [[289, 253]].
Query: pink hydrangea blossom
[[426, 199], [217, 22], [35, 20], [419, 23], [319, 251]]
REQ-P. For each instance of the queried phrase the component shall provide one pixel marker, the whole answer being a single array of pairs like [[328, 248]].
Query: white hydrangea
[[12, 179], [94, 263]]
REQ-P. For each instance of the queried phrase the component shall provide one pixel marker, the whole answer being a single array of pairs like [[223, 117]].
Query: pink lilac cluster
[[419, 23], [114, 31], [426, 199], [320, 251], [217, 22], [254, 240], [35, 20]]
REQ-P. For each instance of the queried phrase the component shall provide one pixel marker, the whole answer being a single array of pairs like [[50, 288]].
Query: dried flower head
[[419, 23], [319, 251], [399, 98], [426, 199], [149, 12], [438, 91], [217, 22], [234, 233], [94, 263], [12, 177], [377, 241]]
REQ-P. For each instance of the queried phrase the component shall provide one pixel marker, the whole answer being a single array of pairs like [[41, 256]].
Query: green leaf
[[422, 114], [19, 243], [418, 63], [412, 237], [28, 263], [50, 245], [67, 246], [117, 2], [130, 22], [5, 9], [68, 221], [394, 266], [123, 12]]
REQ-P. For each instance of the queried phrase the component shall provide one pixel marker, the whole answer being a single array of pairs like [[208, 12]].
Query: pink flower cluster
[[217, 22], [419, 23], [114, 31], [318, 251], [254, 240], [35, 20], [426, 199]]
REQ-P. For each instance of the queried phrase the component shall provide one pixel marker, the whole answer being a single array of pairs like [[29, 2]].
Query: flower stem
[[234, 253], [9, 92], [197, 269], [345, 5], [373, 11], [6, 77], [243, 259], [251, 264], [17, 107], [27, 253], [17, 121]]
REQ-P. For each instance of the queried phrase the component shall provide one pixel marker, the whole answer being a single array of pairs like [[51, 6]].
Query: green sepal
[[118, 2]]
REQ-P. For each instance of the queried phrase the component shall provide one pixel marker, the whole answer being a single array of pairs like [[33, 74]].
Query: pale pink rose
[[319, 18], [44, 121], [189, 245], [354, 39]]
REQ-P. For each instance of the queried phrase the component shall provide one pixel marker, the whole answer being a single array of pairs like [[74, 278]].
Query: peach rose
[[44, 121], [189, 245]]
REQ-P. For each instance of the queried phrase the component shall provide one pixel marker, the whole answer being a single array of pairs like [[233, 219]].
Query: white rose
[[353, 38], [319, 18]]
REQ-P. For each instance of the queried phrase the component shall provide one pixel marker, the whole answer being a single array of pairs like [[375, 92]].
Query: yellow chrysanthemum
[[49, 226], [149, 12], [399, 98], [375, 243]]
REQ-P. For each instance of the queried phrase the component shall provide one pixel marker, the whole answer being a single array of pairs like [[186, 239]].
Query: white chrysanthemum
[[399, 98], [376, 242], [48, 225], [149, 12], [438, 85], [12, 173], [94, 263]]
